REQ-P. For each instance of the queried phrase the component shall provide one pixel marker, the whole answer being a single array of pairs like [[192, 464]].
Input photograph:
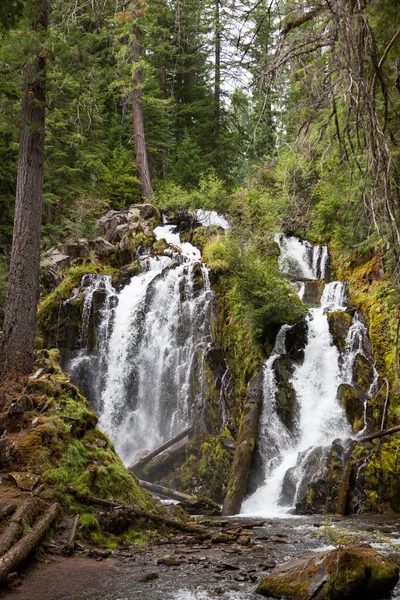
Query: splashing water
[[315, 382], [302, 260]]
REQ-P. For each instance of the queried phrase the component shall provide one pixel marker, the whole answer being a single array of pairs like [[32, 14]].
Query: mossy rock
[[363, 373], [355, 573], [285, 398], [353, 404], [339, 325], [313, 291]]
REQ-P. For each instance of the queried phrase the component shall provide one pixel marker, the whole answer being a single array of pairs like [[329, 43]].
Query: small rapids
[[321, 420]]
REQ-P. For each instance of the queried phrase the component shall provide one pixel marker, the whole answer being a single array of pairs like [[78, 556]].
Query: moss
[[339, 325], [160, 246]]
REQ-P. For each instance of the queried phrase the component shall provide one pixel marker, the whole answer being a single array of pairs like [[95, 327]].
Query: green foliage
[[210, 194]]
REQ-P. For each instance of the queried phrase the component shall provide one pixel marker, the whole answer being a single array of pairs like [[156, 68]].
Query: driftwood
[[69, 547], [135, 512], [137, 466], [245, 447], [7, 510], [167, 492], [379, 434], [23, 515], [11, 559]]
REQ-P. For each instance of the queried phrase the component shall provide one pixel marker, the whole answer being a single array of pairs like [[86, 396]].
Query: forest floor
[[227, 571]]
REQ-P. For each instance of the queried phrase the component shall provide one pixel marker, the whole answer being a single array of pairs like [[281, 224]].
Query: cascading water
[[151, 336], [315, 382]]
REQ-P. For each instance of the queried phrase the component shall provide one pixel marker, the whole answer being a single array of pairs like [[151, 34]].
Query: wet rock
[[353, 404], [149, 577], [202, 506], [363, 373], [356, 573], [269, 564], [198, 278], [313, 292], [339, 325], [25, 481], [286, 402], [169, 561], [296, 340]]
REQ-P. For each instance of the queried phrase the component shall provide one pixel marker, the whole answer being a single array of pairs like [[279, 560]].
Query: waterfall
[[315, 382], [147, 348]]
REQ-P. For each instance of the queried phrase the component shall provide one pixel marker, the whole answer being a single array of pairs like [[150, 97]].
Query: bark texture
[[23, 282], [245, 447], [138, 122]]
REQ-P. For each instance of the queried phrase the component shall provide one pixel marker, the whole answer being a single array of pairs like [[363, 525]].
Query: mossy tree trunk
[[245, 446], [23, 282]]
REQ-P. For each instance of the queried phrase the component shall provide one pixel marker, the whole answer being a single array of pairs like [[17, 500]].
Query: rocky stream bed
[[203, 571]]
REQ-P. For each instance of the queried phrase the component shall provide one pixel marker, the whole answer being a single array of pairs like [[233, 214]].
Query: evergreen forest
[[200, 297]]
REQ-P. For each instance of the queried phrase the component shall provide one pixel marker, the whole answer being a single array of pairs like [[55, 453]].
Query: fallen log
[[165, 463], [19, 552], [69, 547], [7, 510], [167, 492], [24, 515], [379, 434], [135, 512], [137, 466], [245, 446]]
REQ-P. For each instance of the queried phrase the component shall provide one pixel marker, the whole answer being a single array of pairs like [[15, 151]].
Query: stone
[[60, 260], [286, 402], [363, 373], [146, 211], [339, 325], [102, 248], [169, 561], [19, 406], [296, 340], [353, 404], [76, 249], [356, 573], [313, 292], [25, 481]]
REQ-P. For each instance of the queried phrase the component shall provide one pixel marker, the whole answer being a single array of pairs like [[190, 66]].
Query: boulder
[[353, 404], [25, 481], [296, 340], [146, 211], [354, 573], [102, 248], [59, 261], [363, 373], [285, 399], [76, 250], [339, 325], [313, 292]]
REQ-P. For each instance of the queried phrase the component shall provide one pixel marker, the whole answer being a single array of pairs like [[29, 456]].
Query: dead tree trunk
[[138, 465], [167, 492], [24, 515], [10, 561], [138, 122], [245, 447], [379, 434], [23, 282]]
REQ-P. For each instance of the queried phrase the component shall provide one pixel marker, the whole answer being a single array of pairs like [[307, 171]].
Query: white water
[[159, 322], [300, 259], [210, 217], [315, 382]]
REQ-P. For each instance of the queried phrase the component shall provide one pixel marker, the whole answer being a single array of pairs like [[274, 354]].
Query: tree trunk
[[138, 123], [11, 559], [167, 492], [245, 447], [23, 282], [217, 74], [138, 465]]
